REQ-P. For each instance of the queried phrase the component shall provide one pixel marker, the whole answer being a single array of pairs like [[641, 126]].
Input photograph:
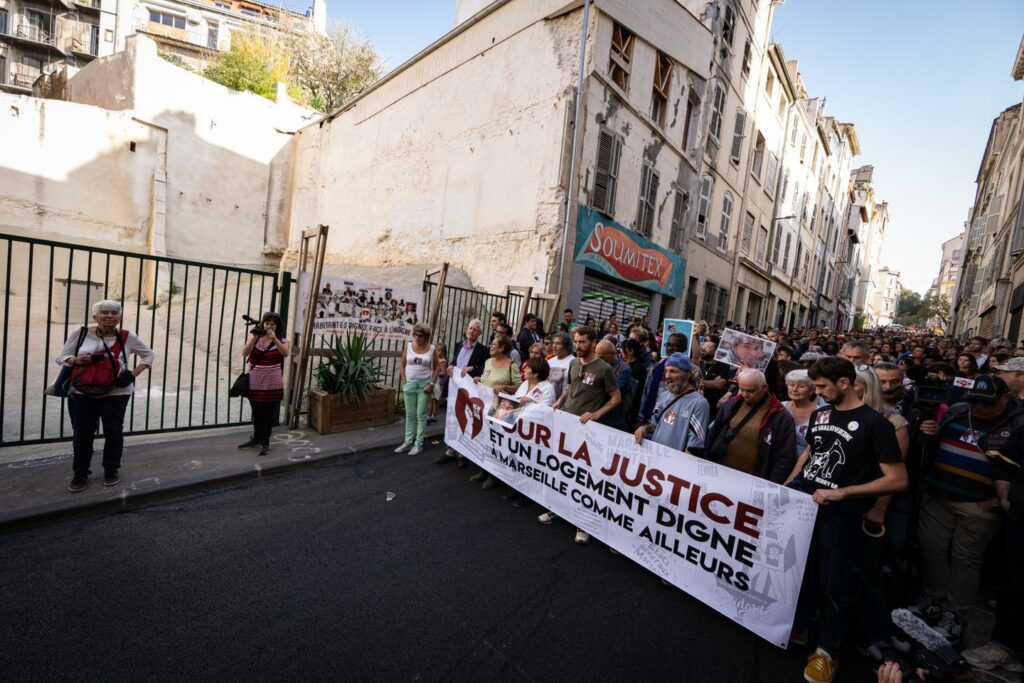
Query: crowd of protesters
[[910, 443]]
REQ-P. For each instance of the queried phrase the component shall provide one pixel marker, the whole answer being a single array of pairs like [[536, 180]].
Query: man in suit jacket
[[470, 356]]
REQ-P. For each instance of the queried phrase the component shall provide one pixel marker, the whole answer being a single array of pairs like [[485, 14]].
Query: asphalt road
[[315, 575]]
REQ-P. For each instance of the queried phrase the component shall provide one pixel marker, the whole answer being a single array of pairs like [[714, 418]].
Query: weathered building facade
[[465, 154]]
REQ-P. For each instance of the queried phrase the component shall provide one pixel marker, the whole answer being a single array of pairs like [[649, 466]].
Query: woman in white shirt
[[535, 387], [417, 372], [105, 346]]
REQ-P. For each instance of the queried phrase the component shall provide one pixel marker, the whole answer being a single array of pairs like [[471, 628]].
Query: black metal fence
[[187, 311]]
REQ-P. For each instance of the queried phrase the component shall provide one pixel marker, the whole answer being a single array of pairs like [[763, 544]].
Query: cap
[[986, 389], [1012, 365], [679, 360]]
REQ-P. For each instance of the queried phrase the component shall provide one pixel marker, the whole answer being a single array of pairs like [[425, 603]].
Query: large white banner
[[735, 542], [387, 313]]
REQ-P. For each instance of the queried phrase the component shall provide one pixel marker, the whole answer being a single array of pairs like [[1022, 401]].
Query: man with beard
[[681, 415], [852, 457], [716, 374], [676, 343]]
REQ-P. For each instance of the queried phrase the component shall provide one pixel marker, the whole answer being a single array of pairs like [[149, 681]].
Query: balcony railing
[[35, 34], [88, 4]]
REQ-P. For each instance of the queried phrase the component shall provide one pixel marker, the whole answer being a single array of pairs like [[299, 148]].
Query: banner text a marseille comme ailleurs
[[736, 542]]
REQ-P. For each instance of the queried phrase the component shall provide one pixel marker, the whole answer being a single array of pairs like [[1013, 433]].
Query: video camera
[[929, 392], [257, 326]]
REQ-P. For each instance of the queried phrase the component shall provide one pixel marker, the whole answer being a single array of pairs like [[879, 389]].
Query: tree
[[240, 71], [936, 308], [332, 69], [908, 310]]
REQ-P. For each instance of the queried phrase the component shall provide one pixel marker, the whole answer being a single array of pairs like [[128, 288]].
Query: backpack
[[100, 376]]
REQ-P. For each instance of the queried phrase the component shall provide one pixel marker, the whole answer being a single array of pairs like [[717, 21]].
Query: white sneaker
[[403, 448], [582, 537], [547, 518], [992, 656], [416, 450]]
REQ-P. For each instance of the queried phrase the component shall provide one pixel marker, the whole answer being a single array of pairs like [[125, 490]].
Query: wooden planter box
[[328, 415]]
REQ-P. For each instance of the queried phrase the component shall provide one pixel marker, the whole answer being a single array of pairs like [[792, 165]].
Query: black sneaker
[[251, 443], [111, 478], [264, 448], [78, 483]]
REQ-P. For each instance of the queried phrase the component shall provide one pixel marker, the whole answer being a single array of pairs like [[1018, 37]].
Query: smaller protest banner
[[505, 408], [343, 306], [744, 350], [674, 326]]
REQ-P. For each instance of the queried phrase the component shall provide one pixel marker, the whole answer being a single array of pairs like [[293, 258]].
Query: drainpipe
[[570, 189]]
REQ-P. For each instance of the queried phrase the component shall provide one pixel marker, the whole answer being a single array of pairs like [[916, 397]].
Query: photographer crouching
[[266, 349], [100, 386]]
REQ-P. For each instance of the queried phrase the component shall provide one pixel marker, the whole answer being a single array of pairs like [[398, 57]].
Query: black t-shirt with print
[[847, 446]]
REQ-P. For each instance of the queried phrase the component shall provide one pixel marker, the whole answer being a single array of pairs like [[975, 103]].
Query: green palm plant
[[348, 370]]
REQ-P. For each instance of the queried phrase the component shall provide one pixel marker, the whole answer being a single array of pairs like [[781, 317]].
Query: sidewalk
[[34, 487]]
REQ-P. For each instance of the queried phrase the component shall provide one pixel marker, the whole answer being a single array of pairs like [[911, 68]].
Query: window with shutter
[[758, 163], [690, 125], [748, 233], [785, 254], [775, 247], [717, 105], [704, 205], [723, 302], [609, 152], [762, 244], [677, 239], [648, 197], [737, 135], [747, 54], [707, 309], [773, 174], [723, 228]]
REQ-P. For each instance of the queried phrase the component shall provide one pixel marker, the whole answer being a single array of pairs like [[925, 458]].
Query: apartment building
[[40, 36], [195, 30], [46, 37], [465, 154], [886, 297]]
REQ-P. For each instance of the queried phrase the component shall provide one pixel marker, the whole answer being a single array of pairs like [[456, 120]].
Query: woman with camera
[[100, 386], [266, 349]]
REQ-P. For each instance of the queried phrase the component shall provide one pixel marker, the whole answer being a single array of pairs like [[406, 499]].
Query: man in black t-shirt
[[715, 375], [848, 444]]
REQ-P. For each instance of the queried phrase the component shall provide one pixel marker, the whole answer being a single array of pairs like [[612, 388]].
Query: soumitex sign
[[607, 247]]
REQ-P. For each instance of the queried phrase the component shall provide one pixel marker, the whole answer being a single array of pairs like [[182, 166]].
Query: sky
[[921, 80]]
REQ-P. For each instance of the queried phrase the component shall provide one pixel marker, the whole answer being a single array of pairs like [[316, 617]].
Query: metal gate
[[189, 312]]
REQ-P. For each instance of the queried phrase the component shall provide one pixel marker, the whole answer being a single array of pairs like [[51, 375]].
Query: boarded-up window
[[662, 82], [648, 195], [621, 56], [609, 151]]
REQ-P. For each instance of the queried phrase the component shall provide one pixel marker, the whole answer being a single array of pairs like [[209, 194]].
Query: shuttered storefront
[[602, 298]]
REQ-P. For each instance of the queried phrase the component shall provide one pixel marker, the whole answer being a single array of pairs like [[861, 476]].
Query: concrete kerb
[[34, 492]]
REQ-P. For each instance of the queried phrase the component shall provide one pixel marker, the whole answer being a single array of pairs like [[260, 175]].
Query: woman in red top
[[266, 350]]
